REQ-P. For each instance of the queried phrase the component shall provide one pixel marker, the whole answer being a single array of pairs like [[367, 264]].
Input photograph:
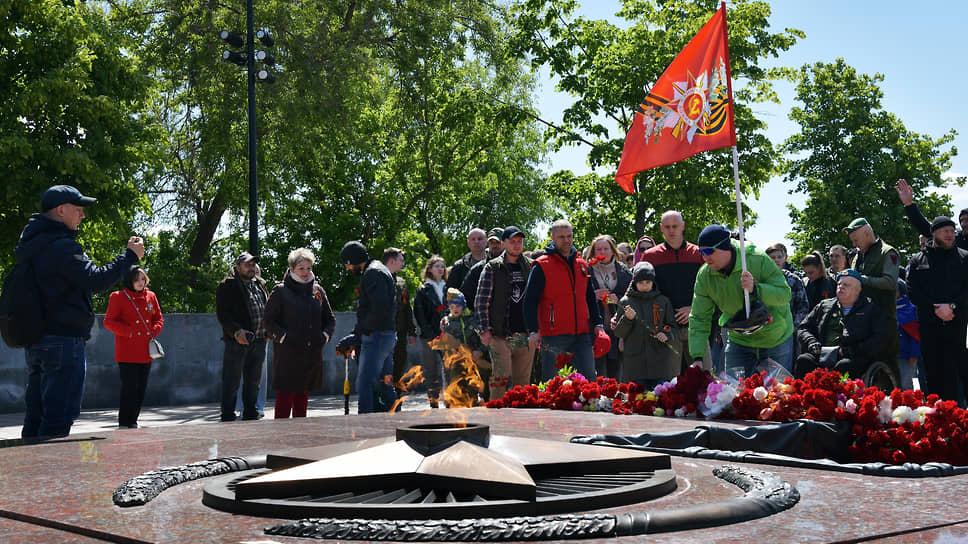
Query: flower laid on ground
[[900, 427]]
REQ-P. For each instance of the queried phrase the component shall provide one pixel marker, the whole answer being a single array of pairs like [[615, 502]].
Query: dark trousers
[[242, 363], [808, 362], [56, 367], [610, 368], [134, 383], [295, 403], [943, 350]]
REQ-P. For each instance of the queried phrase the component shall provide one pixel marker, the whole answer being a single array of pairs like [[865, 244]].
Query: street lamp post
[[249, 61]]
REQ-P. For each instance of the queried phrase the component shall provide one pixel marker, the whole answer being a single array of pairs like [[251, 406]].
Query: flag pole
[[732, 126]]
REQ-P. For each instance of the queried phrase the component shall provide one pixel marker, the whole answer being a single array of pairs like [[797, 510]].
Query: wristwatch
[[952, 305]]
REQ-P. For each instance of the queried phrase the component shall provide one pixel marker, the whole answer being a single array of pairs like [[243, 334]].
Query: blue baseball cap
[[63, 194]]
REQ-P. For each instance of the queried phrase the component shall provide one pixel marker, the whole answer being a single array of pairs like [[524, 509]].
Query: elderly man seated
[[845, 334]]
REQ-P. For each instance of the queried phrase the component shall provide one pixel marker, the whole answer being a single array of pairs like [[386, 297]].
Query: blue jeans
[[55, 384], [579, 345], [908, 372], [747, 358], [376, 361], [245, 363]]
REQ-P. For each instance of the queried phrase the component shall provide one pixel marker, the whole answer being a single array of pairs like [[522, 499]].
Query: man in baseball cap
[[65, 279]]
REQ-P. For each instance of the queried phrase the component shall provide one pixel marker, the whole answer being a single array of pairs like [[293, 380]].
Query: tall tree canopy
[[848, 155], [73, 112], [607, 69]]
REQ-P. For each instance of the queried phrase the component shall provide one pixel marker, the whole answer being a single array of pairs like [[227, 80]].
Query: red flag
[[688, 110]]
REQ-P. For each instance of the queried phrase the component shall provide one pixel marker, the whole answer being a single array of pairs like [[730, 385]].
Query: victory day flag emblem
[[688, 110]]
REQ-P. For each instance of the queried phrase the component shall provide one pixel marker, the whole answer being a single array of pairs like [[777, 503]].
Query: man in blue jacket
[[66, 276]]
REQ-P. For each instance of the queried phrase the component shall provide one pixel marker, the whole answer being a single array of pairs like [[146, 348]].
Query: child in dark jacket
[[647, 324], [460, 370]]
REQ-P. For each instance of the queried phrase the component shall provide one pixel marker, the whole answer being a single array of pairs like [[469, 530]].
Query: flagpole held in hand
[[346, 385]]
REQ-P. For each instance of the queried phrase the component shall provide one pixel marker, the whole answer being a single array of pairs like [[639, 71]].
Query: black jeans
[[242, 363], [134, 383]]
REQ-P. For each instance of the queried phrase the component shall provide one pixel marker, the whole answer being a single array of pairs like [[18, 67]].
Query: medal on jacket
[[148, 307]]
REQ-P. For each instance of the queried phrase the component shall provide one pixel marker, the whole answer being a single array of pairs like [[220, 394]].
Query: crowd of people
[[637, 313]]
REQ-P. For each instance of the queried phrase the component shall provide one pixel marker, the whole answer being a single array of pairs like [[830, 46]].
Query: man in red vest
[[560, 310]]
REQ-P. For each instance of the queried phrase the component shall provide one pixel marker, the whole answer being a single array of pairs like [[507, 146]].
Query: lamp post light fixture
[[248, 60]]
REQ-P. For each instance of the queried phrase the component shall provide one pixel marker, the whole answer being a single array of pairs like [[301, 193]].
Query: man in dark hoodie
[[560, 310], [66, 276], [240, 302], [375, 325]]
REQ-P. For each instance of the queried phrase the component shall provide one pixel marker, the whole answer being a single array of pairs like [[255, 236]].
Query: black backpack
[[21, 306]]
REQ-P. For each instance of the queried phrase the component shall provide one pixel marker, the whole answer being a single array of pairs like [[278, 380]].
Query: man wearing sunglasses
[[767, 333]]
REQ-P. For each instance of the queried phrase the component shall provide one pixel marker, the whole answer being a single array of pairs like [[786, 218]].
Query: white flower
[[851, 406], [604, 404], [923, 412], [680, 412], [760, 393], [904, 414], [884, 410]]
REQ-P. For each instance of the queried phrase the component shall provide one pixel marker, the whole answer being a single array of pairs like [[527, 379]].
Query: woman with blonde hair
[[134, 316], [428, 308], [610, 278], [300, 322]]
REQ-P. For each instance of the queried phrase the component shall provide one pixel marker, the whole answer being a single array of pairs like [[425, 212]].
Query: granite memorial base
[[62, 490]]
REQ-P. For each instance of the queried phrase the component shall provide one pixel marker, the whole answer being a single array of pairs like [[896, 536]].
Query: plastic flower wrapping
[[896, 427]]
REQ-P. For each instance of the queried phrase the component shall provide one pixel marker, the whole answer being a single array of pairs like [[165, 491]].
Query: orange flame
[[464, 383], [410, 379]]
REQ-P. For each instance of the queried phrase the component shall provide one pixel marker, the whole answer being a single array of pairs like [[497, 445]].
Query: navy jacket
[[66, 275]]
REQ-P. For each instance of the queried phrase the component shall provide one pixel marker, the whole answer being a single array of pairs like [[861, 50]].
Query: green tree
[[74, 112], [606, 67], [849, 153]]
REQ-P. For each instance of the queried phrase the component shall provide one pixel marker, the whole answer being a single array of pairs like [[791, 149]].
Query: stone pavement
[[100, 421]]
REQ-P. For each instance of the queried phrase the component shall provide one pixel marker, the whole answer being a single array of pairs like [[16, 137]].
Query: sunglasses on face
[[707, 251]]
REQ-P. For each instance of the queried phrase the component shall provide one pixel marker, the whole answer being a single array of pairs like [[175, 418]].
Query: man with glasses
[[676, 263], [767, 332], [846, 333]]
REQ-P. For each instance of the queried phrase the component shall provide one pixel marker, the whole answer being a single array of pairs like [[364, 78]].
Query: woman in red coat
[[135, 318], [300, 321]]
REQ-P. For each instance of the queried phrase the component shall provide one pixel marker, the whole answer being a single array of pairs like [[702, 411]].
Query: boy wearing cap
[[647, 322], [938, 288], [240, 301], [720, 283], [56, 366]]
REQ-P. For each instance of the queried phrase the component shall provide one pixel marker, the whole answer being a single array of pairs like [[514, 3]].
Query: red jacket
[[130, 334], [563, 308]]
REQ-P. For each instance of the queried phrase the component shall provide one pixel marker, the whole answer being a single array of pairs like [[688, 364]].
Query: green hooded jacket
[[715, 289]]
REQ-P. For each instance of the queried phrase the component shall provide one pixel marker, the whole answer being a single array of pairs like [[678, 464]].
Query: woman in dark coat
[[300, 321], [610, 279]]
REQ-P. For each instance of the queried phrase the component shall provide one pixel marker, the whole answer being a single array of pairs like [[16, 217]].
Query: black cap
[[643, 270], [941, 221], [496, 233], [63, 194], [353, 252], [511, 232], [245, 257]]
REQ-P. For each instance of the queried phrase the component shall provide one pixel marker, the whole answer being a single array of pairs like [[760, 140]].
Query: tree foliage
[[848, 155], [606, 68], [74, 112]]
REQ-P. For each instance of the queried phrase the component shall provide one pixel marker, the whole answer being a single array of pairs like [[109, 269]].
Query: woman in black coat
[[428, 308], [300, 321]]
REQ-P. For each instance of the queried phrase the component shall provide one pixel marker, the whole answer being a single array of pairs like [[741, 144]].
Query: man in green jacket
[[768, 332], [877, 263]]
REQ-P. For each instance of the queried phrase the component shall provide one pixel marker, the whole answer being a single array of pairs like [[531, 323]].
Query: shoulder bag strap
[[143, 322]]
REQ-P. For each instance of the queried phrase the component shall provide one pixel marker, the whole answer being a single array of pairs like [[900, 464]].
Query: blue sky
[[918, 47]]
